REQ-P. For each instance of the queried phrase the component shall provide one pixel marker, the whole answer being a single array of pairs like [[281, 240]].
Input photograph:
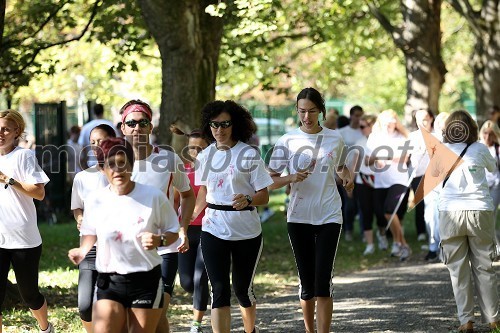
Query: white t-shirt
[[163, 170], [350, 135], [84, 183], [363, 167], [226, 173], [383, 145], [419, 157], [18, 222], [118, 221], [467, 188], [316, 199]]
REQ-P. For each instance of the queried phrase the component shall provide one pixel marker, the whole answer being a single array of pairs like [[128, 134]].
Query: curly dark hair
[[243, 125]]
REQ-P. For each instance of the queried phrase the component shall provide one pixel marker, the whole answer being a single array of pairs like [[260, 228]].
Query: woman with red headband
[[162, 169], [124, 218]]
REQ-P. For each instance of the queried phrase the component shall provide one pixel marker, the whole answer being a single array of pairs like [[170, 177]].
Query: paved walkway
[[416, 298]]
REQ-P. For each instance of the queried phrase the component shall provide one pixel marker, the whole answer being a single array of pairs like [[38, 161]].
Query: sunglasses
[[363, 126], [223, 124], [142, 123]]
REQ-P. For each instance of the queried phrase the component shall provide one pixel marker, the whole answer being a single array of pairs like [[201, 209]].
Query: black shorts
[[142, 290]]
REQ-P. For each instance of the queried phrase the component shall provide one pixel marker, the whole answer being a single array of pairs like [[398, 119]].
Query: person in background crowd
[[87, 158], [331, 119], [125, 218], [192, 273], [162, 169], [74, 151], [350, 134], [424, 120], [431, 212], [22, 181], [490, 136], [342, 121], [385, 144], [85, 182], [233, 180], [313, 155], [365, 191], [495, 115], [466, 223]]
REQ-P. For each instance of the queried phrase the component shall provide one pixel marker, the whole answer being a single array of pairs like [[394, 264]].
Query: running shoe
[[396, 250], [383, 244], [370, 249], [404, 253]]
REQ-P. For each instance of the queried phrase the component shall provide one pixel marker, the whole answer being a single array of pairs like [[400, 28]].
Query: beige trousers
[[467, 243]]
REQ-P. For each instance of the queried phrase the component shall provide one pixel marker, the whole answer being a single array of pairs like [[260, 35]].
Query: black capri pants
[[25, 263], [386, 200], [169, 266], [220, 256], [87, 277], [314, 248], [192, 273]]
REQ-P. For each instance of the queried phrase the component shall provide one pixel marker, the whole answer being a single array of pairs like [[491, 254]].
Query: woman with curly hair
[[233, 180]]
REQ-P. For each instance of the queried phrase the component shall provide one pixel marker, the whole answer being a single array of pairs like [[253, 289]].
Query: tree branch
[[62, 42], [464, 8], [394, 32]]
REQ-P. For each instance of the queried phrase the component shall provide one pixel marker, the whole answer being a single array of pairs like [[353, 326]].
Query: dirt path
[[410, 298]]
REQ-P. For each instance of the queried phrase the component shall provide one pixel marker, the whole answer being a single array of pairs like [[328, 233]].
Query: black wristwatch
[[249, 199], [163, 240], [11, 182]]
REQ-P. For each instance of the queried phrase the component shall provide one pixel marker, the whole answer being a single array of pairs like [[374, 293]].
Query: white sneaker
[[396, 250], [383, 243], [195, 329], [49, 329], [348, 236], [404, 253], [422, 237], [370, 249]]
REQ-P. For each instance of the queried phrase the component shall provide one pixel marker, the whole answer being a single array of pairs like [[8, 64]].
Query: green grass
[[58, 277]]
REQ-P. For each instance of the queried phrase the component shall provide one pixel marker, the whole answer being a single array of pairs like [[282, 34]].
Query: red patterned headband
[[136, 108]]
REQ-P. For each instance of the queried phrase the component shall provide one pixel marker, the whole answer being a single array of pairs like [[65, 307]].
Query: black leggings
[[222, 255], [169, 266], [87, 277], [25, 263], [192, 273], [314, 248], [365, 196]]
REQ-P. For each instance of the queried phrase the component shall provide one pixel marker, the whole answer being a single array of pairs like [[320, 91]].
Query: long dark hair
[[314, 96]]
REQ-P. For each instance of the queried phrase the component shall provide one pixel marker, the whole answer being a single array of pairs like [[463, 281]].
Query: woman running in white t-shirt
[[21, 181], [233, 180], [85, 182], [312, 155], [124, 218]]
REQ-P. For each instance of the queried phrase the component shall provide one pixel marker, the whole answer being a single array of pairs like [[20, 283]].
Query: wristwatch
[[249, 199], [163, 240], [11, 182]]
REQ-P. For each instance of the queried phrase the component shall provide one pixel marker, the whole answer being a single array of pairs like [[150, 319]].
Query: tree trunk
[[419, 38], [485, 63], [425, 69], [189, 42]]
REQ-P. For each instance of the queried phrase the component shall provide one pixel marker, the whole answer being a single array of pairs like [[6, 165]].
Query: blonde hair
[[488, 124], [369, 118], [16, 117], [379, 125]]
